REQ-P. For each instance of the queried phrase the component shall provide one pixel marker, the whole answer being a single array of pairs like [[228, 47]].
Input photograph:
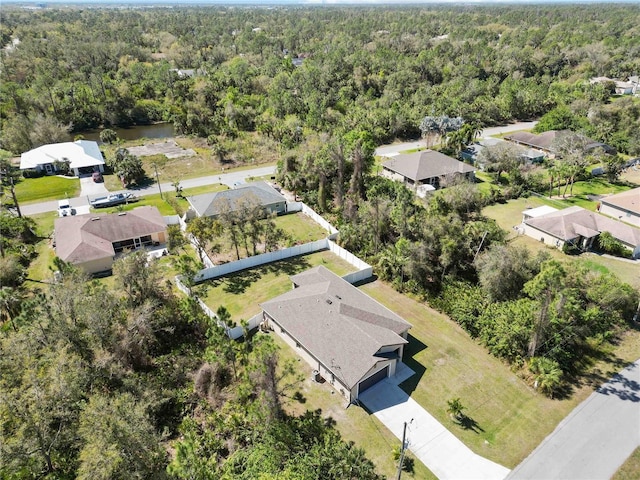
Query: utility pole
[[404, 448], [155, 167]]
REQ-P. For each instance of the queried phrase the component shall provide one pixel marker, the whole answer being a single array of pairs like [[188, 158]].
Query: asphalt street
[[396, 148], [230, 179], [595, 439]]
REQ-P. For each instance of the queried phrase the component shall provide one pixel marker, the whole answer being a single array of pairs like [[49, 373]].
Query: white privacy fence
[[262, 259], [363, 272]]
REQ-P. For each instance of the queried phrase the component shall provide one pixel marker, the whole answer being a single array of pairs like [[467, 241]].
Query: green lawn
[[51, 187], [630, 470], [147, 200], [509, 214], [511, 418], [241, 292], [39, 270], [301, 227]]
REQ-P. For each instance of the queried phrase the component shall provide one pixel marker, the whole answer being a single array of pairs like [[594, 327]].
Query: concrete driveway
[[595, 439], [431, 443], [89, 188]]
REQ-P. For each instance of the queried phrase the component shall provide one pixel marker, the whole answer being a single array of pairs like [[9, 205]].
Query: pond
[[156, 130]]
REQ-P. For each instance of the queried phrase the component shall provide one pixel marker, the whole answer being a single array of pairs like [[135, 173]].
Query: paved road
[[595, 439], [394, 149], [231, 178], [435, 446]]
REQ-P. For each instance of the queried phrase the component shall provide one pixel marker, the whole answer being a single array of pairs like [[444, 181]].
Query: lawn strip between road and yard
[[354, 423], [630, 470], [509, 418], [50, 187], [39, 271], [242, 292]]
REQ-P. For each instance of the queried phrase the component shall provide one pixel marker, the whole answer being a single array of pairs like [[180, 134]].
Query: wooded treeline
[[98, 383], [383, 68]]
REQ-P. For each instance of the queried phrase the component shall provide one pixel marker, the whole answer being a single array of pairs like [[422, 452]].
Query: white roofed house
[[348, 338], [83, 156]]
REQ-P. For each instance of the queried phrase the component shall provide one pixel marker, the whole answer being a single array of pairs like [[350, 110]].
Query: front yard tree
[[500, 158], [127, 167], [455, 408]]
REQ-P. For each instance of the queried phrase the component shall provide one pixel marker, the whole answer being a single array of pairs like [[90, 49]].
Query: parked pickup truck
[[64, 208], [112, 200]]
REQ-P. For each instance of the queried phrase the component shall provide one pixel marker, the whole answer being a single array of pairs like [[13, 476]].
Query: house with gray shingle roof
[[92, 242], [351, 340], [544, 142], [424, 168], [624, 206], [258, 193], [579, 227]]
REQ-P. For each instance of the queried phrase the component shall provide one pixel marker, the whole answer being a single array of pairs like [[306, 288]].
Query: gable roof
[[572, 222], [544, 141], [211, 204], [427, 164], [338, 324], [81, 153], [82, 238], [629, 200]]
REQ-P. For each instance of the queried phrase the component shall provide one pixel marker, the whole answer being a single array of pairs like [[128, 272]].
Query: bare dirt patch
[[168, 148]]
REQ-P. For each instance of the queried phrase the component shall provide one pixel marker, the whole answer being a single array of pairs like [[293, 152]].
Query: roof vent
[[338, 297], [93, 219], [329, 301], [122, 214]]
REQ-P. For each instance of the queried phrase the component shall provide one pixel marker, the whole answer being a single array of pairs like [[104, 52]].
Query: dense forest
[[385, 68], [98, 382]]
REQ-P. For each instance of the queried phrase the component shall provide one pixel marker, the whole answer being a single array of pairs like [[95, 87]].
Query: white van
[[64, 208]]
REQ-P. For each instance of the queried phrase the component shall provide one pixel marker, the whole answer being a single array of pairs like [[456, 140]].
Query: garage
[[373, 379]]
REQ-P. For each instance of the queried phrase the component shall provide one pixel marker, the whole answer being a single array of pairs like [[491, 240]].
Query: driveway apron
[[441, 451]]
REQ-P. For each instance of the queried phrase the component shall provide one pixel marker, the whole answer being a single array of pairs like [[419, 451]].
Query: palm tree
[[455, 408], [547, 374]]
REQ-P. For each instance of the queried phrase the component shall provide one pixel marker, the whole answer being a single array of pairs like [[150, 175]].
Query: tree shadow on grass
[[469, 423], [238, 284], [414, 347], [290, 266]]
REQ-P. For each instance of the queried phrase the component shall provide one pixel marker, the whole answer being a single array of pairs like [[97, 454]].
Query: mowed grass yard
[[509, 214], [49, 187], [511, 418], [242, 292]]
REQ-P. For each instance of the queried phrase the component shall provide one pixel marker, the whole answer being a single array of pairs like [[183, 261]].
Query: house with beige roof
[[84, 157], [92, 242], [348, 338], [425, 170], [578, 227], [624, 206]]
